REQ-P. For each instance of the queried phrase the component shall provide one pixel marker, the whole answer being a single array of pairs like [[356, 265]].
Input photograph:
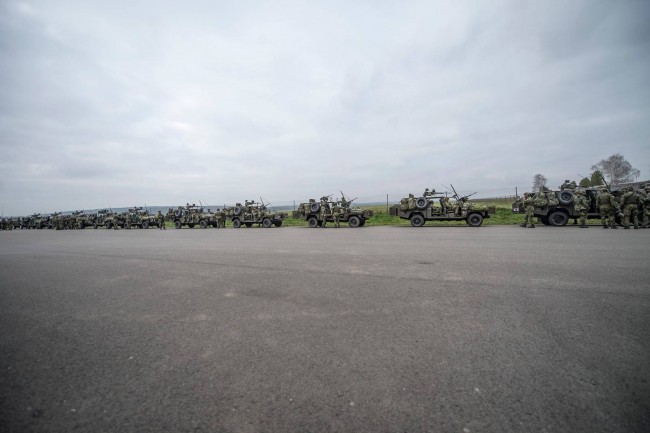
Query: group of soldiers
[[627, 206], [336, 211]]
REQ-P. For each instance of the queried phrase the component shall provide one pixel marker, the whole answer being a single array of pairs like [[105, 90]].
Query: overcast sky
[[118, 103]]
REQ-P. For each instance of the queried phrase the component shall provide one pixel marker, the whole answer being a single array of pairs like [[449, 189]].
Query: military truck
[[311, 212], [432, 206], [253, 212], [555, 208], [191, 216], [138, 217]]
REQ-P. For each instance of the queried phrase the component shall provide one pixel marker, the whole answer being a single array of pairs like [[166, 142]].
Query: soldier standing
[[336, 215], [161, 221], [644, 195], [630, 205], [324, 210], [581, 205], [530, 210], [411, 201], [606, 207]]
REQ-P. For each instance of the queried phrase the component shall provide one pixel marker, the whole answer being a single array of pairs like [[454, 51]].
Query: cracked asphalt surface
[[376, 329]]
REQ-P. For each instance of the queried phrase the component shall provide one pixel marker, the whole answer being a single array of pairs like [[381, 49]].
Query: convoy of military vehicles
[[554, 208]]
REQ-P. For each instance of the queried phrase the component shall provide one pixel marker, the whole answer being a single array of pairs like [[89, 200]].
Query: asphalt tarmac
[[375, 329]]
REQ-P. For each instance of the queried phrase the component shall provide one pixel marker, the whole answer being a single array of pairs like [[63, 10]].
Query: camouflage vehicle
[[138, 217], [422, 209], [253, 212], [555, 208], [99, 218], [191, 216], [35, 221], [78, 220], [311, 212], [10, 223], [111, 219]]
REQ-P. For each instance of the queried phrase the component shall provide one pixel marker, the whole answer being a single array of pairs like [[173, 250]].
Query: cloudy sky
[[161, 102]]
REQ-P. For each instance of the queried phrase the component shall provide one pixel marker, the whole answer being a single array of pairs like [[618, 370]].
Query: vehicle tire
[[237, 210], [417, 220], [178, 213], [277, 223], [203, 224], [267, 223], [354, 221], [236, 223], [178, 224], [421, 203], [314, 207], [145, 224], [558, 218], [312, 222], [475, 219], [565, 197]]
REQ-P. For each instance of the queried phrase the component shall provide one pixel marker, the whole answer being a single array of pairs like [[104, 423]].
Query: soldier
[[161, 220], [550, 197], [336, 215], [445, 204], [530, 210], [411, 201], [606, 207], [630, 204], [568, 184], [324, 210], [644, 195], [581, 205]]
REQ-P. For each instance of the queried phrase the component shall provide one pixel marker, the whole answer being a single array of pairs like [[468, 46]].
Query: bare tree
[[539, 180], [617, 169]]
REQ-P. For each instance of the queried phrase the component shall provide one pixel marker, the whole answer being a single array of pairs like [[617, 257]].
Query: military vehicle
[[191, 216], [138, 217], [422, 209], [35, 221], [98, 219], [253, 212], [555, 208], [311, 212]]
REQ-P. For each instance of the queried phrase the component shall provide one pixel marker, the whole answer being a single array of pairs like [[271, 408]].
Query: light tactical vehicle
[[191, 216], [425, 208], [138, 217], [311, 212], [555, 208], [253, 212]]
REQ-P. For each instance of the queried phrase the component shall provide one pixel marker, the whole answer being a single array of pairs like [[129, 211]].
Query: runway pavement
[[375, 329]]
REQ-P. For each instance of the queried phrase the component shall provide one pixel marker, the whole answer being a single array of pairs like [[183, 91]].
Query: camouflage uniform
[[445, 204], [324, 210], [411, 201], [630, 202], [606, 207], [568, 185], [530, 209], [161, 221], [645, 204], [581, 205], [336, 215]]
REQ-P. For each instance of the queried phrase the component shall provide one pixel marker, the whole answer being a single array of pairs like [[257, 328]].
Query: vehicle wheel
[[312, 222], [236, 223], [178, 213], [314, 207], [354, 221], [249, 225], [565, 197], [145, 224], [475, 220], [417, 220], [267, 223], [421, 203], [178, 224], [203, 224], [278, 223], [558, 218], [237, 210]]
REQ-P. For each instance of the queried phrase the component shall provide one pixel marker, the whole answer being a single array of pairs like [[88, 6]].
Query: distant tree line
[[613, 171]]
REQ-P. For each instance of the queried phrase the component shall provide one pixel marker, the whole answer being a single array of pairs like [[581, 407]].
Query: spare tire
[[237, 210], [314, 207], [178, 213], [421, 203], [565, 197]]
